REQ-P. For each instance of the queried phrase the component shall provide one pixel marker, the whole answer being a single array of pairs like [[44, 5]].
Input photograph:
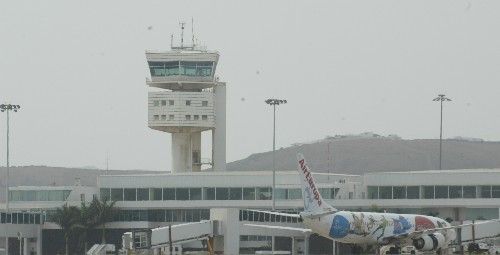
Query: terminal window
[[117, 194], [441, 192], [281, 194], [399, 192], [428, 192], [222, 193], [495, 191], [196, 117], [204, 117], [171, 117], [204, 103], [295, 193], [264, 193], [182, 194], [385, 192], [163, 102], [188, 117], [156, 194], [195, 194], [413, 192], [188, 102], [170, 102], [156, 103], [168, 194], [208, 193], [142, 194], [469, 192], [164, 117], [235, 194], [156, 117], [248, 193], [130, 194], [456, 192]]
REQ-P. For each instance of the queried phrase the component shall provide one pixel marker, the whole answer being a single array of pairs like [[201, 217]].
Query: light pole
[[7, 108], [274, 102], [441, 98]]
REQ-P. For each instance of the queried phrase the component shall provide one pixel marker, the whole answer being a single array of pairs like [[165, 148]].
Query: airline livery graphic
[[426, 233]]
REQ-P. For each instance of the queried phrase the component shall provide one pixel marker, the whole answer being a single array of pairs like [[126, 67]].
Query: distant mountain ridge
[[340, 154], [373, 153]]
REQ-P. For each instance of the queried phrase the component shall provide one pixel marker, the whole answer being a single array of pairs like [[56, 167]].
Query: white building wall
[[219, 134], [164, 111]]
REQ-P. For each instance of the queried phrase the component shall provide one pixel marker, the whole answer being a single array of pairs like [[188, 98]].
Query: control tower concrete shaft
[[189, 100]]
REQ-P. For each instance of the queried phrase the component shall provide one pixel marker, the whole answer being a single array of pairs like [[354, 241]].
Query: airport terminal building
[[151, 201], [187, 99]]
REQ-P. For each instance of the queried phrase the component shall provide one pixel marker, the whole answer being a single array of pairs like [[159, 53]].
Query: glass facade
[[428, 192], [441, 192], [161, 215], [281, 194], [142, 194], [38, 195], [296, 193], [399, 192], [432, 192], [207, 193], [21, 218], [481, 213], [248, 193], [156, 194], [372, 192], [130, 194], [187, 68], [413, 192], [385, 192], [264, 194], [235, 194], [117, 194]]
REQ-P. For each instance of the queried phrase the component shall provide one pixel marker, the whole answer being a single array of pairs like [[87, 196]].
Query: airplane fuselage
[[373, 228]]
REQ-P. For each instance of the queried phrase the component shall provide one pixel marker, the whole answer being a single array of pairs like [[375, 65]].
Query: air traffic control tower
[[190, 100]]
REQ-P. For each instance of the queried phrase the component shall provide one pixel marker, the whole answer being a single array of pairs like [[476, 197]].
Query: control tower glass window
[[187, 68]]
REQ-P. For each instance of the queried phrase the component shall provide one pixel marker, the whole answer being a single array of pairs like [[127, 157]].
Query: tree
[[68, 218], [88, 220], [375, 208], [105, 211]]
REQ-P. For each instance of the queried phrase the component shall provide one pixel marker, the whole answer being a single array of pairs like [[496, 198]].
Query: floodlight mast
[[274, 102], [7, 108], [441, 98]]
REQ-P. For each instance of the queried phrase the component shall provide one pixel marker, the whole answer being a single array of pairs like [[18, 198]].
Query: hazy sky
[[78, 70]]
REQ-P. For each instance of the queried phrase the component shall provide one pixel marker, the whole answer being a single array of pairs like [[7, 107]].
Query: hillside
[[57, 176], [340, 155], [357, 156]]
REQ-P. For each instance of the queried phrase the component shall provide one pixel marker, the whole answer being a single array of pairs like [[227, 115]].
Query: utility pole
[[441, 98], [7, 108]]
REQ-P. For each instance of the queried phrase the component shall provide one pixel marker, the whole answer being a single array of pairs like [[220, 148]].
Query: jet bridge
[[161, 239]]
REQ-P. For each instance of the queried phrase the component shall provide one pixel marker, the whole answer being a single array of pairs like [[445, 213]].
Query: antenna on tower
[[171, 41], [182, 33]]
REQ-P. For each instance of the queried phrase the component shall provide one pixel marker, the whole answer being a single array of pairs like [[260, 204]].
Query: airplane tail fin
[[313, 202]]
